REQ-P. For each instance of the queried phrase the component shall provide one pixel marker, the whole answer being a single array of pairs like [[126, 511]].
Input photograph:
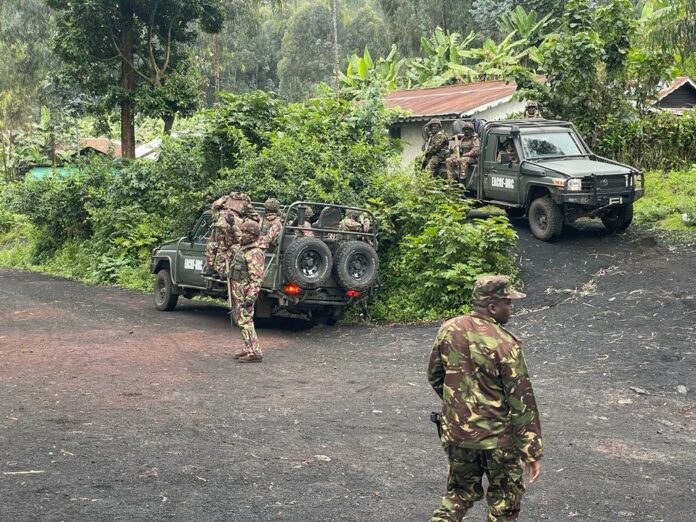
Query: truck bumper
[[602, 199]]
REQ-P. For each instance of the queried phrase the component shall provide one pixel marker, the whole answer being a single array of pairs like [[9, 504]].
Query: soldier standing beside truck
[[465, 153], [246, 276], [436, 147]]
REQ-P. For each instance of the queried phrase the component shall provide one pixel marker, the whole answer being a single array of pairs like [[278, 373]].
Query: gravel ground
[[112, 410]]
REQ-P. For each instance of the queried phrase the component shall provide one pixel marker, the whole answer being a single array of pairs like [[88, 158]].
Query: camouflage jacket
[[478, 369], [350, 224], [469, 147], [437, 145], [253, 278], [271, 226]]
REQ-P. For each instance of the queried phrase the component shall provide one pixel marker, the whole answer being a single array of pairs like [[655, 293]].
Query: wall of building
[[412, 132]]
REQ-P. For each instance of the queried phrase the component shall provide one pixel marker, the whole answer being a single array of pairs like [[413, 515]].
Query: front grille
[[604, 183], [611, 182]]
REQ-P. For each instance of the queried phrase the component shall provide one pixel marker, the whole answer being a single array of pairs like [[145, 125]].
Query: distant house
[[678, 97], [490, 100]]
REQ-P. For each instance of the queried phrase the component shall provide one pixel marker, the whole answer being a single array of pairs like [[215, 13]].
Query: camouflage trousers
[[504, 470], [243, 310], [213, 248]]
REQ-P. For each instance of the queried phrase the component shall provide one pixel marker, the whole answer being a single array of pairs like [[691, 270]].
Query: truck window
[[203, 229], [550, 144]]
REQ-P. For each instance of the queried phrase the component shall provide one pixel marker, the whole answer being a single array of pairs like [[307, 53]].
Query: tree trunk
[[168, 120], [127, 82]]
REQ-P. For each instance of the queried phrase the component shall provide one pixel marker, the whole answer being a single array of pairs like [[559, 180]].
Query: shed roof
[[103, 145], [451, 100], [676, 84]]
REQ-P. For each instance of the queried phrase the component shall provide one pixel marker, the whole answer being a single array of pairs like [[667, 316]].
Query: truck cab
[[544, 170]]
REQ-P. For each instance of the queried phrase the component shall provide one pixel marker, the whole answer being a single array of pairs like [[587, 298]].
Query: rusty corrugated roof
[[103, 145], [451, 99]]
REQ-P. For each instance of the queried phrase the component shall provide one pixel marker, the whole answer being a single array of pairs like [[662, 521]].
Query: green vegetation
[[669, 195], [99, 223]]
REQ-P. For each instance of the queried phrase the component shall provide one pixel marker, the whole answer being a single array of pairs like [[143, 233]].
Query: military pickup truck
[[316, 276], [551, 176]]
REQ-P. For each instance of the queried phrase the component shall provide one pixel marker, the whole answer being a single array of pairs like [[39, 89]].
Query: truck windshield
[[551, 144]]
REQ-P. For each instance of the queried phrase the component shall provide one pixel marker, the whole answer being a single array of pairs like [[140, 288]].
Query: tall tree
[[111, 47], [307, 51]]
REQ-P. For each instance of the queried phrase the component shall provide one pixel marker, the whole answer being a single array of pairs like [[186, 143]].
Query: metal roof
[[450, 100], [676, 84]]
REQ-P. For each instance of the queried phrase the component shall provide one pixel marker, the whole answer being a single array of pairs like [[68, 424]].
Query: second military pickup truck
[[544, 170], [315, 276]]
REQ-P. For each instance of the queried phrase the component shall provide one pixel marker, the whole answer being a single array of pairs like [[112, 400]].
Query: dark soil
[[112, 410]]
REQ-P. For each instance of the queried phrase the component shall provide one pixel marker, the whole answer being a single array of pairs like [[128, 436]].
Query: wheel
[[307, 262], [356, 265], [545, 219], [619, 218], [165, 298]]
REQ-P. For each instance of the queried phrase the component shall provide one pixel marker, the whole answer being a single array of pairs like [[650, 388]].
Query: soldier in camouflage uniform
[[246, 276], [531, 111], [214, 249], [469, 147], [436, 147], [490, 422], [271, 224], [306, 225], [238, 210], [351, 223]]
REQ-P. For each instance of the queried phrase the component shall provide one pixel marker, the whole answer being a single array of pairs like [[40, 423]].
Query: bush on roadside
[[668, 196]]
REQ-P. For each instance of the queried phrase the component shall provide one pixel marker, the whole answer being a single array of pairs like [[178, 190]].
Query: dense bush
[[656, 141], [100, 222]]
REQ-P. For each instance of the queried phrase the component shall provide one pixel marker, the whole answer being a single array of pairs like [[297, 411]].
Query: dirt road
[[111, 410]]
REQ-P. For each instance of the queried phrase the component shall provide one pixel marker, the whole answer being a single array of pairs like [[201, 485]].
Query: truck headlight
[[574, 184]]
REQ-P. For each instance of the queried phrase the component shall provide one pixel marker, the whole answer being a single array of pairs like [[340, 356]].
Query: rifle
[[436, 418]]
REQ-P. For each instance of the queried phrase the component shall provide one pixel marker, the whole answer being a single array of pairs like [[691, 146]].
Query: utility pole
[[334, 12]]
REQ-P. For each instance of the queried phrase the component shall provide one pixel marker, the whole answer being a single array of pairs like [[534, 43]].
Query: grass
[[668, 195]]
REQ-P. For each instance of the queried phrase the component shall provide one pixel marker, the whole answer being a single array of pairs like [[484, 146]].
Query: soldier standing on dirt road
[[490, 421], [246, 275]]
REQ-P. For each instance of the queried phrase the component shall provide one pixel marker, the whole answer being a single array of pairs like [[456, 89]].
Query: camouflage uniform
[[215, 247], [351, 223], [246, 277], [490, 422], [271, 224], [531, 111], [436, 148], [238, 210], [469, 149], [306, 226]]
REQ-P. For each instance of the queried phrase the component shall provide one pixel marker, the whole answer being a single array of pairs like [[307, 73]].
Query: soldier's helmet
[[251, 227], [494, 288], [238, 202], [352, 213], [433, 122], [531, 105], [272, 205], [308, 212], [467, 128]]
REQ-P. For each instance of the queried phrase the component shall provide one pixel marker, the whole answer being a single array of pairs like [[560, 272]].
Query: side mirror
[[189, 236]]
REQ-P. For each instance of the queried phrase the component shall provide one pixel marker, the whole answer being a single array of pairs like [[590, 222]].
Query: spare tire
[[307, 262], [356, 265]]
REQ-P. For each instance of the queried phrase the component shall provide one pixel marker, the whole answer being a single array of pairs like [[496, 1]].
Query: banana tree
[[445, 60], [363, 72], [501, 61]]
